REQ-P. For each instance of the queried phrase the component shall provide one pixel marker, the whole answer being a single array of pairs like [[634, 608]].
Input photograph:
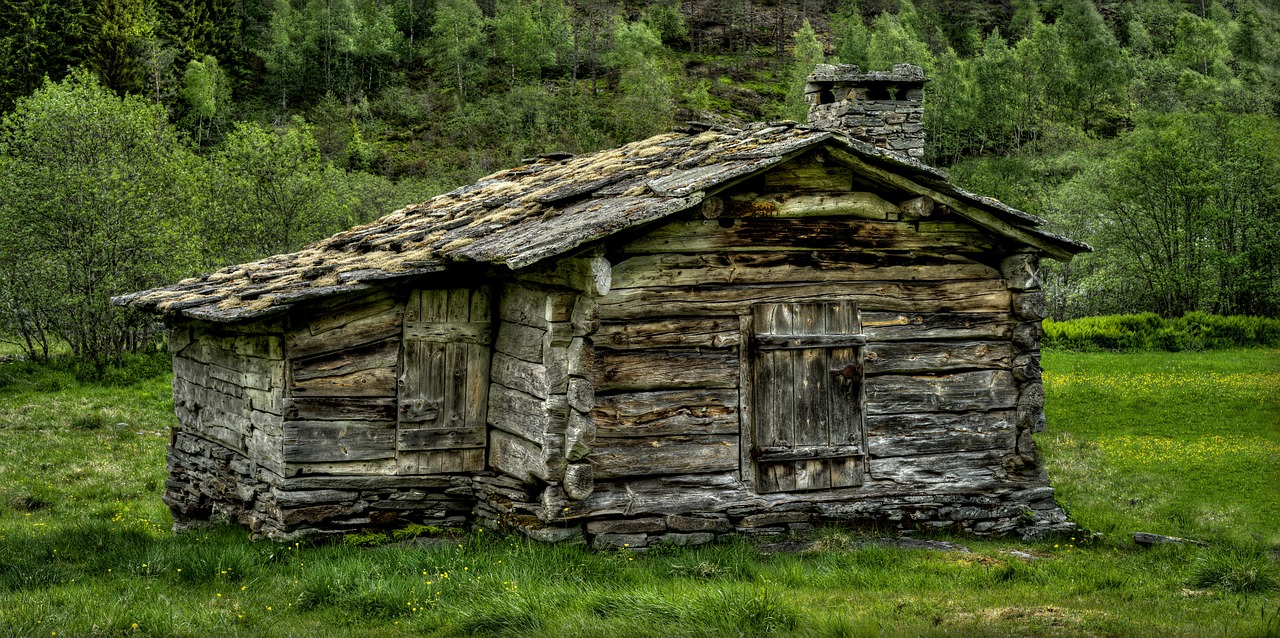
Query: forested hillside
[[148, 140]]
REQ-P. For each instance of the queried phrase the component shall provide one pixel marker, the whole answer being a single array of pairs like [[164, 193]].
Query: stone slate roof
[[517, 217]]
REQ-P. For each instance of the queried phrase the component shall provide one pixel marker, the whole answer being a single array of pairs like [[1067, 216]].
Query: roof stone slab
[[517, 217]]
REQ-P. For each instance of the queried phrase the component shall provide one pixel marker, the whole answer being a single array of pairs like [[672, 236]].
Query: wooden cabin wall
[[226, 452], [340, 407], [539, 393], [951, 365]]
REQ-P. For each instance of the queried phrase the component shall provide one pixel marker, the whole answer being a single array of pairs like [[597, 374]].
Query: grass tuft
[[1242, 570]]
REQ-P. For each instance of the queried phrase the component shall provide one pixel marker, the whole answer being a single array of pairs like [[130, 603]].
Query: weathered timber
[[589, 274], [810, 233], [979, 295], [520, 341], [530, 378], [340, 311], [940, 433], [1029, 306], [916, 208], [375, 382], [585, 319], [675, 269], [441, 461], [376, 467], [903, 326], [380, 354], [581, 395], [527, 415], [714, 332], [1021, 272], [535, 307], [580, 360], [233, 377], [661, 369], [972, 471], [665, 413], [579, 480], [1026, 367], [367, 329], [663, 455], [340, 409], [810, 177], [523, 459], [448, 332], [579, 436], [984, 218], [333, 441], [417, 439], [804, 452], [853, 204], [927, 356], [982, 391], [808, 341]]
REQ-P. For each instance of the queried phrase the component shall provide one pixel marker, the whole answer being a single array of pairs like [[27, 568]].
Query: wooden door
[[807, 389], [443, 393]]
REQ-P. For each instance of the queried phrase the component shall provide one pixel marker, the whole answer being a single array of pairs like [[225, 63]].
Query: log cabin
[[705, 332]]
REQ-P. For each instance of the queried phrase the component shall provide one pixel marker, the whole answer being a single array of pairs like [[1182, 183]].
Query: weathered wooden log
[[449, 332], [963, 471], [579, 480], [711, 208], [380, 354], [715, 332], [822, 233], [581, 395], [810, 177], [1021, 272], [418, 439], [789, 267], [664, 369], [916, 208], [579, 436], [1027, 334], [441, 461], [933, 356], [586, 273], [530, 378], [983, 391], [585, 319], [335, 441], [535, 307], [362, 330], [979, 295], [663, 455], [1029, 306], [526, 415], [375, 382], [861, 205], [671, 412], [340, 409], [524, 459], [580, 359], [347, 469], [1026, 367], [902, 326], [940, 432], [520, 341], [1031, 407]]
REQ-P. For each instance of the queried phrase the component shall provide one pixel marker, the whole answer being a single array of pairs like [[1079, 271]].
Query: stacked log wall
[[950, 396], [226, 454]]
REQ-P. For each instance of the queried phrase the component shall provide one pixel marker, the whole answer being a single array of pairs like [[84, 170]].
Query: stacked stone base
[[209, 482]]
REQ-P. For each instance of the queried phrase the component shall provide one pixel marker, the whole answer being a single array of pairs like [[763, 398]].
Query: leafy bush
[[1148, 331], [64, 373]]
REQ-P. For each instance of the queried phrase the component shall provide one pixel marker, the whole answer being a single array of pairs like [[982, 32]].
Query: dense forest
[[143, 141]]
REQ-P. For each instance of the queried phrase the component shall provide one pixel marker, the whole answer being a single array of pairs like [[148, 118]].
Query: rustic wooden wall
[[228, 387]]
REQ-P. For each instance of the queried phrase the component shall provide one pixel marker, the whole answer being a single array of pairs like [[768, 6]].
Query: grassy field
[[1185, 444]]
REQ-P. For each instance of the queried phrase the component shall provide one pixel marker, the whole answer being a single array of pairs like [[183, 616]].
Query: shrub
[[1148, 331]]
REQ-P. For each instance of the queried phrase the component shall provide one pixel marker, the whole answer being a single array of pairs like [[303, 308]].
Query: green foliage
[[1243, 570], [1148, 331], [94, 204], [807, 53]]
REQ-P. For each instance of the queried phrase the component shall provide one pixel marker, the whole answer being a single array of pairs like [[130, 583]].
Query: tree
[[852, 38], [458, 34], [272, 193], [207, 92], [645, 102], [94, 202], [806, 54], [38, 38]]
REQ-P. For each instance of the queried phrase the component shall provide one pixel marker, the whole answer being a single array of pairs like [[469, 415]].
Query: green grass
[[85, 548]]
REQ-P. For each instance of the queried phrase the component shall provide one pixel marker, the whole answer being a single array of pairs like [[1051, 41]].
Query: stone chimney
[[885, 109]]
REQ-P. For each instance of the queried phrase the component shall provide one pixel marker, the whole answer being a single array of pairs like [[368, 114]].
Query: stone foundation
[[209, 482]]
